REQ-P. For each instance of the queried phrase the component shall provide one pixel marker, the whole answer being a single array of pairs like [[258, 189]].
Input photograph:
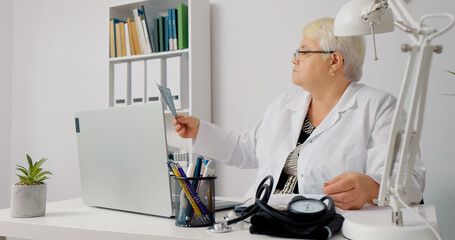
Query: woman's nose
[[294, 61]]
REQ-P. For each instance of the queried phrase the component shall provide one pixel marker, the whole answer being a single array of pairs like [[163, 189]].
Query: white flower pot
[[28, 200]]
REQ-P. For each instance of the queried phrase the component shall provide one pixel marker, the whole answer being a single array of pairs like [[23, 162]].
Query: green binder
[[161, 32], [182, 25]]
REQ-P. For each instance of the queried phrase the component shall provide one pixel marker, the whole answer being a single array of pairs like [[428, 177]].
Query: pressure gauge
[[307, 209]]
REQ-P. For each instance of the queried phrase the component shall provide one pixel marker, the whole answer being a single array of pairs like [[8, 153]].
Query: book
[[170, 30], [166, 33], [111, 39], [138, 15], [122, 38], [118, 41], [127, 40], [161, 29], [174, 28], [135, 35], [149, 27], [147, 39], [182, 25], [157, 37], [130, 34]]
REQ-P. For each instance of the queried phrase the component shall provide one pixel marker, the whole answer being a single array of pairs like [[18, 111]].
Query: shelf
[[158, 6], [149, 56]]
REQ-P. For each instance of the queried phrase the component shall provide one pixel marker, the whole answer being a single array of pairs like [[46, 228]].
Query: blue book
[[114, 52], [171, 42], [166, 33], [174, 28]]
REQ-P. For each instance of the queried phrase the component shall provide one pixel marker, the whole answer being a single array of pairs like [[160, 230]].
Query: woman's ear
[[337, 61]]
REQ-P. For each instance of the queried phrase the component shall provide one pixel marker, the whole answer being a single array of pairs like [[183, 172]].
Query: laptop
[[122, 159]]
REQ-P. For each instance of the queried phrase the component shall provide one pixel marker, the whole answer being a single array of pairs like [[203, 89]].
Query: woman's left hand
[[351, 190]]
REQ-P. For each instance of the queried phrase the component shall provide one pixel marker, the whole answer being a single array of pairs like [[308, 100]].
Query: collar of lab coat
[[302, 101]]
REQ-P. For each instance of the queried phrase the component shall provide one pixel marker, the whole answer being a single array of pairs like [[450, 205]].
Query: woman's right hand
[[188, 126]]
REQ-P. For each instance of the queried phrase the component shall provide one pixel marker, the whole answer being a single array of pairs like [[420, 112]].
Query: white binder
[[120, 84], [177, 80], [155, 73], [137, 82]]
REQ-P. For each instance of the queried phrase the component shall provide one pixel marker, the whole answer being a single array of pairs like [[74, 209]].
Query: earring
[[331, 73]]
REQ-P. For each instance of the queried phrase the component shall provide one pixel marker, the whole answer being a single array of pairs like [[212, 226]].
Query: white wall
[[6, 46], [60, 66]]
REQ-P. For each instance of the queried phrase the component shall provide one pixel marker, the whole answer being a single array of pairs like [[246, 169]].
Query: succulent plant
[[34, 175]]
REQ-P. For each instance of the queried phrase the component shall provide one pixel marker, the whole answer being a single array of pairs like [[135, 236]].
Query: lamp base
[[376, 224]]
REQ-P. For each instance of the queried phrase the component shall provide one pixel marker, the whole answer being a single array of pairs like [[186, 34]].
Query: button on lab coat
[[353, 137]]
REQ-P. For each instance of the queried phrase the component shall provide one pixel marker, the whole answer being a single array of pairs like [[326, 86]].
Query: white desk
[[71, 219]]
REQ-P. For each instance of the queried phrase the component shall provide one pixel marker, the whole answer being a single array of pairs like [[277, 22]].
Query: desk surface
[[71, 219]]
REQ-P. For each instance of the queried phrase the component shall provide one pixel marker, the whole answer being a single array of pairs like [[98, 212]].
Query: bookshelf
[[198, 90]]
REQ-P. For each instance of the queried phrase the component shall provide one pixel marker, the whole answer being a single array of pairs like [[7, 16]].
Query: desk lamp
[[365, 17]]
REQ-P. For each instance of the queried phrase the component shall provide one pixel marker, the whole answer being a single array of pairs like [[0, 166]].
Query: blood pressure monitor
[[301, 208]]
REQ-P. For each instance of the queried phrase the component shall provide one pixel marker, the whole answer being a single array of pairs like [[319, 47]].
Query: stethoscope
[[301, 211]]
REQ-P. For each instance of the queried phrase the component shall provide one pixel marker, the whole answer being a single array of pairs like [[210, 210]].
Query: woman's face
[[311, 70]]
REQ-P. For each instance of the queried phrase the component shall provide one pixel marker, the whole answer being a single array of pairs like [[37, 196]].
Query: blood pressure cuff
[[263, 223]]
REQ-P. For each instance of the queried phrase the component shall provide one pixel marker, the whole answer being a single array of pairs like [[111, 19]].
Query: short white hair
[[352, 48]]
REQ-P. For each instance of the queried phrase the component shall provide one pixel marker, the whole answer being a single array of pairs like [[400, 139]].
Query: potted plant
[[28, 197]]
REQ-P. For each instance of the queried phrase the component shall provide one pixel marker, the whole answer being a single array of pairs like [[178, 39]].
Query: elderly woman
[[328, 137]]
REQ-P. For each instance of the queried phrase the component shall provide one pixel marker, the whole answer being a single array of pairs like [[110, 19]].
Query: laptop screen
[[122, 158]]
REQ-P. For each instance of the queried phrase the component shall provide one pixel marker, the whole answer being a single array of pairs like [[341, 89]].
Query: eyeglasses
[[298, 52]]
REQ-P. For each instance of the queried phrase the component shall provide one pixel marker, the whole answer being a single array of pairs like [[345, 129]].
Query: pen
[[197, 170]]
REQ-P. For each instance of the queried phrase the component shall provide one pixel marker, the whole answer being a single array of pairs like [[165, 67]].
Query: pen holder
[[195, 207]]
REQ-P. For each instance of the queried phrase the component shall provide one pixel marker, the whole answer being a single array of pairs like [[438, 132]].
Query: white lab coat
[[352, 138]]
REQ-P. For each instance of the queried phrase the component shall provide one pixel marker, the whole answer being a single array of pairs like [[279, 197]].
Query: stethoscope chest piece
[[219, 227]]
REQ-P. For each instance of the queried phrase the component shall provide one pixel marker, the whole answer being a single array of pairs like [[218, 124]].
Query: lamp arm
[[402, 13], [395, 135], [413, 128], [406, 21]]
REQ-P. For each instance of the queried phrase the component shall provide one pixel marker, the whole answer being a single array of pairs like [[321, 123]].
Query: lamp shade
[[348, 21]]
